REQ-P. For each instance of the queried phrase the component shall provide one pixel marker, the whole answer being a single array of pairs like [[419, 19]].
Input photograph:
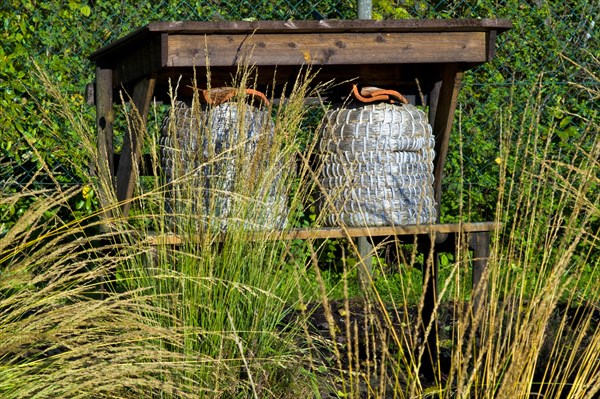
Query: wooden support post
[[132, 143], [104, 126], [430, 274], [480, 244], [365, 268]]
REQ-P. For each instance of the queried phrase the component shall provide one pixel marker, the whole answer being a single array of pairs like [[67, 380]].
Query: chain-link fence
[[553, 44]]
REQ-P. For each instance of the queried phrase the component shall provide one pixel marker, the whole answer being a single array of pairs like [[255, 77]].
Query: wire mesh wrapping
[[216, 165], [377, 165]]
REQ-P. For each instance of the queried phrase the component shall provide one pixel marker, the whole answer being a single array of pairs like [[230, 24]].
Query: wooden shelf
[[347, 232]]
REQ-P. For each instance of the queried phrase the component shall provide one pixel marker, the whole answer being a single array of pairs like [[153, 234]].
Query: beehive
[[209, 155], [377, 165]]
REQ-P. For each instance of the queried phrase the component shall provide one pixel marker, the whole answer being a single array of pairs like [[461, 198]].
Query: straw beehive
[[210, 156], [377, 165]]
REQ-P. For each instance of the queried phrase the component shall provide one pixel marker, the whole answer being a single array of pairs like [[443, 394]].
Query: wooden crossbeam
[[342, 232]]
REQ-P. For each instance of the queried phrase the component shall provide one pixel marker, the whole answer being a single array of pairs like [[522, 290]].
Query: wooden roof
[[291, 26]]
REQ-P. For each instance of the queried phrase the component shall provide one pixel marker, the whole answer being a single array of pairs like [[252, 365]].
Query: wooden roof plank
[[326, 49], [274, 27]]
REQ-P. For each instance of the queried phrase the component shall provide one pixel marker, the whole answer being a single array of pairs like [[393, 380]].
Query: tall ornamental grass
[[537, 332], [220, 278], [134, 308]]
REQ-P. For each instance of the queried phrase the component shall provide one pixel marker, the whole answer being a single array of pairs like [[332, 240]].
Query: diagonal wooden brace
[[132, 144], [442, 105]]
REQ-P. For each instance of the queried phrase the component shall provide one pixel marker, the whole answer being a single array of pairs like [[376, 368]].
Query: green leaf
[[444, 261], [572, 131], [564, 122], [49, 214], [85, 10]]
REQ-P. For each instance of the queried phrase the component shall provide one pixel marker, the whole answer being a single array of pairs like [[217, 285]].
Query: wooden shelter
[[422, 59]]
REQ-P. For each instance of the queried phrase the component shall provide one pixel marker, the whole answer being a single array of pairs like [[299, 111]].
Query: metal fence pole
[[365, 269], [365, 8]]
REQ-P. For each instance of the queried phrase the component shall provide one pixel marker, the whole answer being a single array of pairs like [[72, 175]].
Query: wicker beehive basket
[[206, 155], [377, 165]]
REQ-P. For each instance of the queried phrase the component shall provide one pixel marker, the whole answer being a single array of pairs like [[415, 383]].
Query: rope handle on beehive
[[371, 94], [220, 95]]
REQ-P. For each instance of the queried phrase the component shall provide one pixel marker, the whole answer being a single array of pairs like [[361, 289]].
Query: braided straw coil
[[377, 165], [210, 157]]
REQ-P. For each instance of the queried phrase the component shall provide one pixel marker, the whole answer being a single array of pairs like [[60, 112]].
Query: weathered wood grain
[[132, 143], [141, 61], [348, 232], [332, 26], [445, 105], [104, 126], [186, 50]]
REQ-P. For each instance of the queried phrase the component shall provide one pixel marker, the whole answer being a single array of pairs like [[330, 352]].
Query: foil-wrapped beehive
[[377, 165], [213, 161]]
